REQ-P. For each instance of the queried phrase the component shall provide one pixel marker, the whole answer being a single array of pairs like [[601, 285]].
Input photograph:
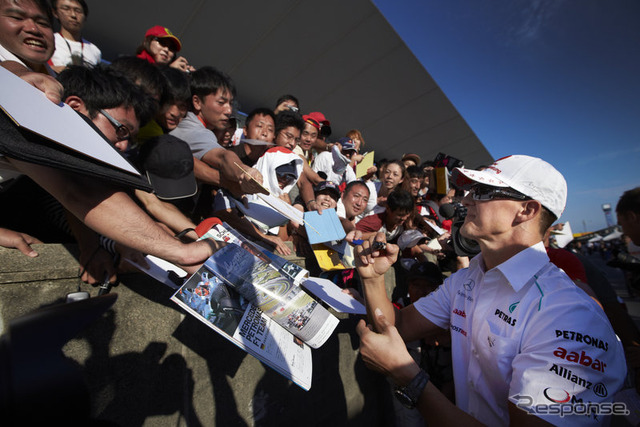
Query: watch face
[[404, 398]]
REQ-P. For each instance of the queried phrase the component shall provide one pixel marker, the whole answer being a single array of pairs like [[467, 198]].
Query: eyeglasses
[[289, 136], [122, 132], [485, 192]]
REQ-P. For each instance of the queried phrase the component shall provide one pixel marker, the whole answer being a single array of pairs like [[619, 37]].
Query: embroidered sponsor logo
[[513, 306], [465, 296], [556, 395], [583, 338], [582, 359], [469, 285], [565, 373], [504, 316], [459, 312], [600, 390], [458, 329]]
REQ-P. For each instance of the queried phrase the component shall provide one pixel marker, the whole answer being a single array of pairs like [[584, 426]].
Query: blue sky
[[555, 79]]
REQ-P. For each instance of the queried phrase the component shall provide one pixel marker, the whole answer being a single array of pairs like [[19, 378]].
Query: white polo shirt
[[524, 332]]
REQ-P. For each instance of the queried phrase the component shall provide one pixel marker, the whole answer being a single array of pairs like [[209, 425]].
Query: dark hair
[[403, 168], [143, 74], [102, 88], [286, 119], [428, 271], [178, 88], [355, 183], [629, 201], [415, 172], [85, 8], [260, 111], [208, 80], [400, 200], [427, 163], [547, 218], [287, 98], [46, 8]]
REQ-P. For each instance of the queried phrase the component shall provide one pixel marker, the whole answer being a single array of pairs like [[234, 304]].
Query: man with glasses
[[526, 342], [113, 104], [71, 48]]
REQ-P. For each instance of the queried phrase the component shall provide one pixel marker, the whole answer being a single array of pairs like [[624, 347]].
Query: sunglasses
[[166, 42], [122, 132], [485, 192]]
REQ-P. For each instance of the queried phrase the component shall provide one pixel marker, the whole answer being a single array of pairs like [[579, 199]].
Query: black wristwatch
[[410, 394]]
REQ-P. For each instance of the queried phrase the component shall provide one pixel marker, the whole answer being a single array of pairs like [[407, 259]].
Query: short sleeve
[[436, 306], [568, 358]]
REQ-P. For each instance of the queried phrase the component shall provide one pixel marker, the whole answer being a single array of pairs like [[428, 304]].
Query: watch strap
[[410, 394]]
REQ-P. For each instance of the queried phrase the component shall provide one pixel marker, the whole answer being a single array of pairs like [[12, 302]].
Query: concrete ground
[[147, 363]]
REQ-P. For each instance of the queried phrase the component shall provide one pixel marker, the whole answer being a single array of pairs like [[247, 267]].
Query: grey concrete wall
[[146, 362]]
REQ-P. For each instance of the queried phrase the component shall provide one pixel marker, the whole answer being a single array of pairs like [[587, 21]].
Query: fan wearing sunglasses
[[518, 323]]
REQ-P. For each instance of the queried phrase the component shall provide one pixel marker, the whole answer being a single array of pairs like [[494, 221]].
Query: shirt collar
[[5, 55], [521, 267], [8, 56]]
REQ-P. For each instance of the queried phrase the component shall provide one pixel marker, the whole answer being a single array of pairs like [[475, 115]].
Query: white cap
[[410, 238], [530, 176]]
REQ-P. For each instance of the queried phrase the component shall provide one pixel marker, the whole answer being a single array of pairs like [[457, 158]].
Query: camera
[[461, 245]]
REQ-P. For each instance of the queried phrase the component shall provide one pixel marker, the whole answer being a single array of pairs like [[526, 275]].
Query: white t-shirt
[[86, 50], [524, 332], [336, 171]]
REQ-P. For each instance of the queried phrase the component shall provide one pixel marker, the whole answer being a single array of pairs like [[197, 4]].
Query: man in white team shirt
[[527, 343], [71, 48]]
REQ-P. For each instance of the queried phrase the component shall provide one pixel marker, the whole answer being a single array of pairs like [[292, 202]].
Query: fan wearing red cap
[[160, 46], [324, 132]]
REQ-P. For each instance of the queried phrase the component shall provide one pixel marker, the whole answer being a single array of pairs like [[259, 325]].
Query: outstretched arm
[[112, 213]]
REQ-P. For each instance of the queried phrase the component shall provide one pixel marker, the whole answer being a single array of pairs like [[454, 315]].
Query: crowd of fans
[[177, 124]]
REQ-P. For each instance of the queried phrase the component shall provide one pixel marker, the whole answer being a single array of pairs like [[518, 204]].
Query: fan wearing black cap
[[326, 194], [168, 164]]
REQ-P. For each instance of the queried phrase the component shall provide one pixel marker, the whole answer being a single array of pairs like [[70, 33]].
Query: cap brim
[[333, 191], [173, 188], [465, 178], [415, 159], [175, 40]]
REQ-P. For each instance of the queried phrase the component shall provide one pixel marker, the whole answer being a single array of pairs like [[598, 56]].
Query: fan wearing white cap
[[525, 340]]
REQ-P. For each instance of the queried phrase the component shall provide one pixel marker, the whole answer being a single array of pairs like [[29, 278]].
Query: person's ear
[[530, 209], [77, 104], [197, 104]]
